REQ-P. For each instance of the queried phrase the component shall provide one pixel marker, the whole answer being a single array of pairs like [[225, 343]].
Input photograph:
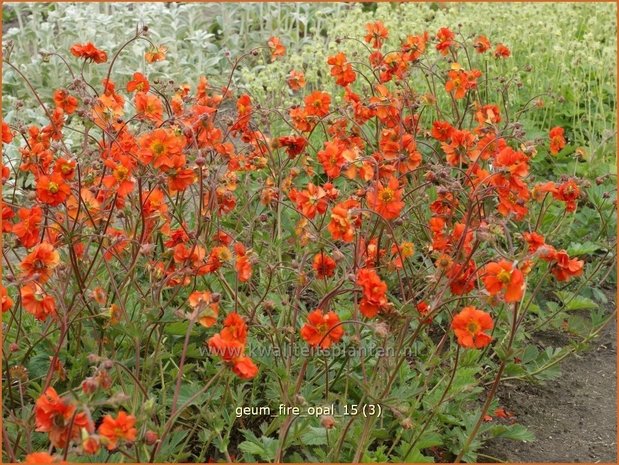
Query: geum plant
[[372, 255]]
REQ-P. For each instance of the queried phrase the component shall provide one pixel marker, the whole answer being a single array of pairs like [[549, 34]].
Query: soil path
[[574, 418]]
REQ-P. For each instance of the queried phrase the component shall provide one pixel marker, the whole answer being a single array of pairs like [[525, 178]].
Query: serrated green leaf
[[516, 432], [314, 436]]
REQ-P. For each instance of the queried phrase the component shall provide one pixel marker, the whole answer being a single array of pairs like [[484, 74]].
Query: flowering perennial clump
[[177, 232]]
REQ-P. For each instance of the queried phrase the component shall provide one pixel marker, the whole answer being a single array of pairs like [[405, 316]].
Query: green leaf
[[577, 302], [414, 456], [251, 448], [429, 439], [516, 432], [315, 436], [178, 328], [587, 248]]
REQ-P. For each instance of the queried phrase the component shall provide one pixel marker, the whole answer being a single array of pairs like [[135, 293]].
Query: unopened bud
[[150, 438], [327, 421]]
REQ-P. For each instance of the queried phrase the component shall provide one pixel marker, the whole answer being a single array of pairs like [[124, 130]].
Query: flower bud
[[150, 438], [381, 329], [407, 423], [327, 421], [89, 386]]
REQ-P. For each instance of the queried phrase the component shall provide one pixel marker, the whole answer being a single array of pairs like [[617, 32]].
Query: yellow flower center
[[386, 195], [472, 327], [121, 172], [158, 148], [504, 276], [53, 187]]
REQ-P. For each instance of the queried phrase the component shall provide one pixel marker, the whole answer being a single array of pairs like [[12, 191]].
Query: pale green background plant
[[565, 52]]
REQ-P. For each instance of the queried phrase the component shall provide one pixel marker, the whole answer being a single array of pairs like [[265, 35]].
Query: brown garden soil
[[574, 417]]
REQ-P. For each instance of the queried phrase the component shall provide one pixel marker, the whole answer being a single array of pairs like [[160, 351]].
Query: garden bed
[[573, 417]]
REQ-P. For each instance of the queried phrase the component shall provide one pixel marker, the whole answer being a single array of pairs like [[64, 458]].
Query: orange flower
[[331, 158], [244, 367], [323, 265], [227, 349], [501, 51], [459, 82], [36, 302], [7, 302], [442, 130], [386, 200], [207, 306], [296, 80], [424, 309], [139, 83], [317, 104], [161, 147], [89, 52], [27, 229], [534, 241], [310, 201], [156, 54], [7, 214], [445, 39], [461, 148], [7, 134], [503, 277], [229, 343], [567, 192], [40, 263], [481, 44], [374, 292], [180, 179], [64, 101], [121, 175], [488, 114], [341, 224], [65, 167], [470, 325], [322, 329], [517, 163], [107, 110], [299, 118], [461, 278], [377, 33], [406, 249], [54, 415], [341, 70], [37, 458], [566, 268], [149, 106], [557, 140], [294, 145], [52, 190], [277, 48], [414, 46], [234, 328], [121, 428], [243, 264]]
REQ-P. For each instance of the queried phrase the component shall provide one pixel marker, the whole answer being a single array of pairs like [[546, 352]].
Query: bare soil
[[574, 417]]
